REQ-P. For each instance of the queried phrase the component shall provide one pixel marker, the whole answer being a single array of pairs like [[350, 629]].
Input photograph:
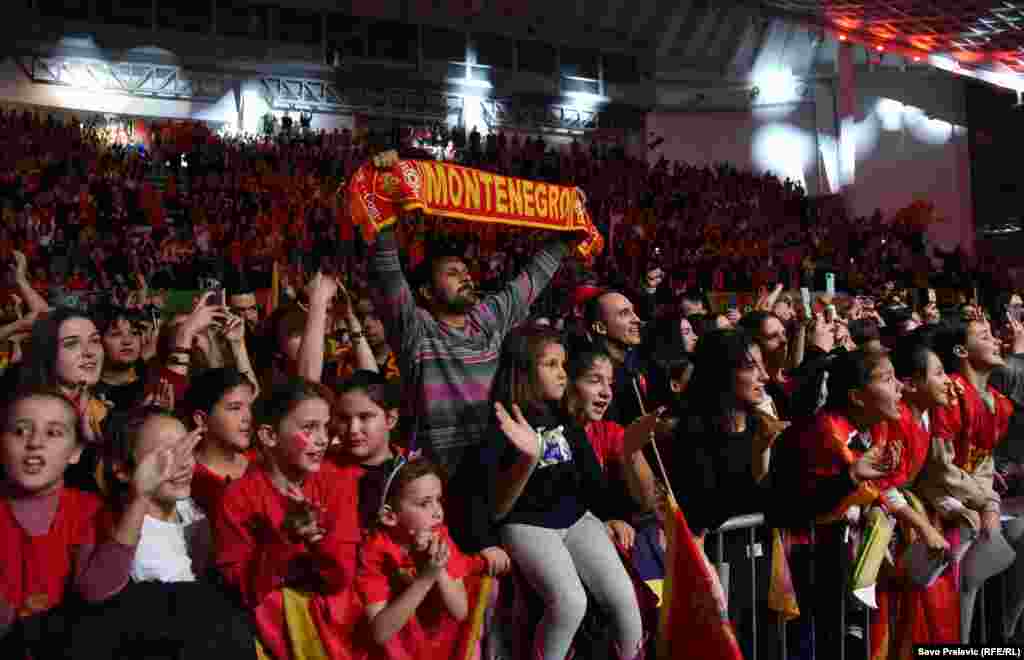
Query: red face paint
[[301, 452], [300, 443]]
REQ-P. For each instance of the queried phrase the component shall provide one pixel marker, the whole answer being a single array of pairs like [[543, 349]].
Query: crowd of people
[[394, 463], [91, 213]]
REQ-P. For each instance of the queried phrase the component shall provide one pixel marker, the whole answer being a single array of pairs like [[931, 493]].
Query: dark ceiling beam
[[672, 28], [642, 18], [697, 40], [725, 38], [611, 16]]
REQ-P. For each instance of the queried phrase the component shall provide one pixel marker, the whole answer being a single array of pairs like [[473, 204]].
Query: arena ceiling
[[975, 32], [725, 39]]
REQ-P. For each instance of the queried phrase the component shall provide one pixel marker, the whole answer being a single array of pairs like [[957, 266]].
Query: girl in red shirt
[[617, 449], [287, 532], [410, 572]]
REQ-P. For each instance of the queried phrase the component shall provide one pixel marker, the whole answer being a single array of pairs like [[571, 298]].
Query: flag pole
[[654, 445]]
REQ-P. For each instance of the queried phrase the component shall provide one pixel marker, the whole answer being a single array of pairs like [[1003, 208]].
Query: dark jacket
[[710, 473]]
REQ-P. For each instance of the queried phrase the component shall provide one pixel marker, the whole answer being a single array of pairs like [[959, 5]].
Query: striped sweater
[[446, 371]]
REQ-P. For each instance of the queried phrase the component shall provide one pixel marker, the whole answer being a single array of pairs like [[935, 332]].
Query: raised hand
[[321, 289], [160, 466], [234, 330], [206, 312], [162, 396], [344, 299], [823, 333], [518, 431], [20, 266], [639, 433], [82, 398]]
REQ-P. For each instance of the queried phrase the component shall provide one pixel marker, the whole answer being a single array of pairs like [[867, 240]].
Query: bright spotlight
[[586, 100], [890, 112], [777, 86], [785, 150]]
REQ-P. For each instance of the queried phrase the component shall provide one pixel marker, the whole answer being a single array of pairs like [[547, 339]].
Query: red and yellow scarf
[[377, 196]]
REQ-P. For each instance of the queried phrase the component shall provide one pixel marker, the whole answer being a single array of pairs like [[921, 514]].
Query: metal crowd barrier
[[750, 525]]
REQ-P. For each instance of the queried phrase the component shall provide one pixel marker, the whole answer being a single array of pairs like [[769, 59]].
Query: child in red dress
[[410, 572]]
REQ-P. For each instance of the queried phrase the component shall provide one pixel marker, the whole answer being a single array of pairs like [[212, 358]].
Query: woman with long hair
[[66, 353]]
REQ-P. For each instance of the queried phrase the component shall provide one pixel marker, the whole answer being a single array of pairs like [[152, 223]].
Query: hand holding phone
[[218, 299]]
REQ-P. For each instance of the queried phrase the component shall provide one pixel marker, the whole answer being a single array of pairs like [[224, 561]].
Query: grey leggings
[[554, 561]]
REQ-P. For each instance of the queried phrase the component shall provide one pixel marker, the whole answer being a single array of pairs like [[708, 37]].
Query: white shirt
[[166, 550]]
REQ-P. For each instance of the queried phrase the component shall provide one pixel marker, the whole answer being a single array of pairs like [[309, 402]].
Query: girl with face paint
[[287, 531]]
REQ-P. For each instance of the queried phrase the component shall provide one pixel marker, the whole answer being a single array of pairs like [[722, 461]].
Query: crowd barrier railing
[[763, 623]]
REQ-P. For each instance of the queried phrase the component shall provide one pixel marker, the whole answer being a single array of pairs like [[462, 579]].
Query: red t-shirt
[[208, 488], [37, 570], [385, 570]]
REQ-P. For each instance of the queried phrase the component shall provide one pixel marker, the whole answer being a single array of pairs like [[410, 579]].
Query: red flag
[[694, 614]]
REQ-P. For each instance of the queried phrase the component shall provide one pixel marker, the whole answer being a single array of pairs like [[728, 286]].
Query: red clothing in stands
[[913, 441], [39, 569], [608, 440], [974, 429], [208, 489], [58, 551], [258, 559], [385, 570], [906, 615], [823, 451]]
